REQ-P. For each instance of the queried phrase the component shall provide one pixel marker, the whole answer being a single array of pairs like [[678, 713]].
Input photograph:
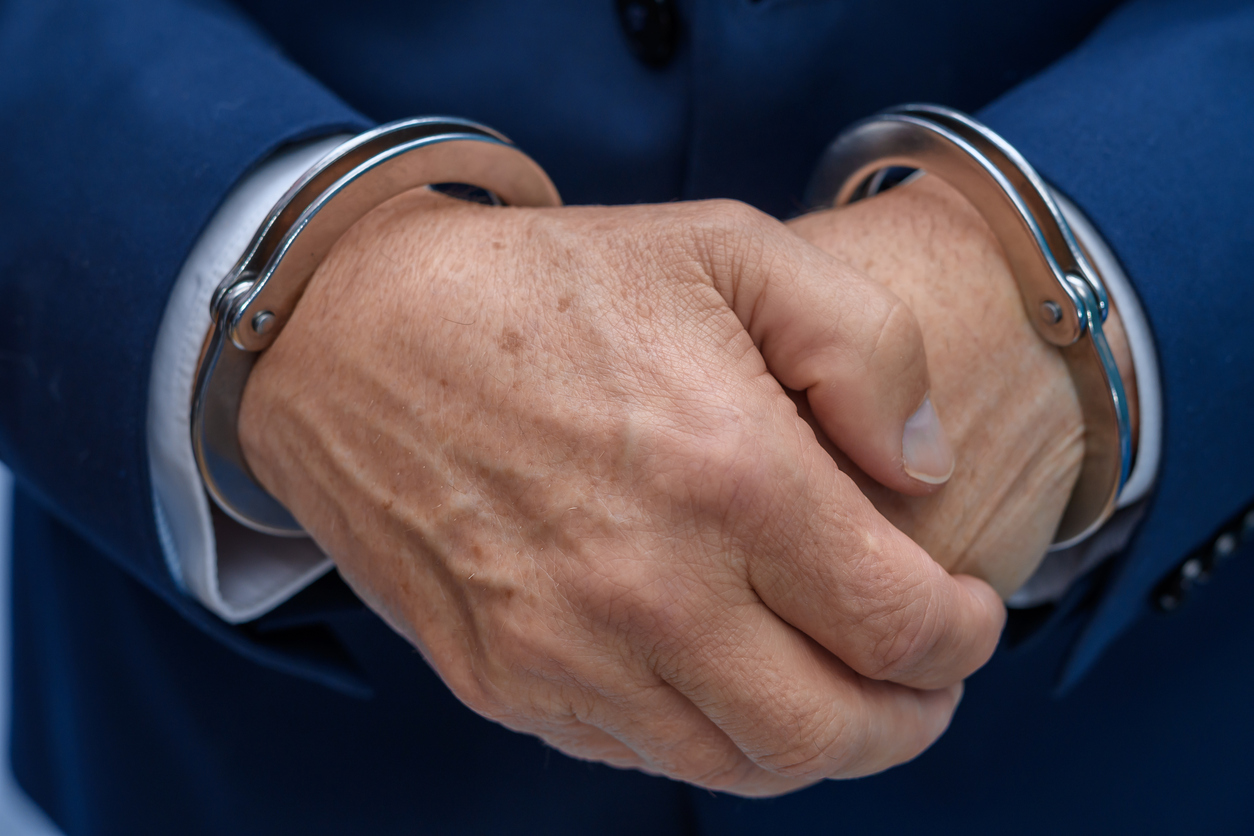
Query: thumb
[[852, 345]]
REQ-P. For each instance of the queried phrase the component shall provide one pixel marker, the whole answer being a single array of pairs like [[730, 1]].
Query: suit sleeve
[[125, 123], [1147, 128]]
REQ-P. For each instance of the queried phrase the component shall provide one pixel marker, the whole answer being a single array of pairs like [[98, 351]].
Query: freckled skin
[[566, 470]]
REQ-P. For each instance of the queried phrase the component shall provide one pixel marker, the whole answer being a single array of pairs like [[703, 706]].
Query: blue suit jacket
[[123, 123]]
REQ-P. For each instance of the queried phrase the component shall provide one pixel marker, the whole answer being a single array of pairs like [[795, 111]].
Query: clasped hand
[[556, 450]]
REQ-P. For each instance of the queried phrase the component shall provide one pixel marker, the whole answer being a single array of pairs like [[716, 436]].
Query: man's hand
[[1004, 394], [549, 448]]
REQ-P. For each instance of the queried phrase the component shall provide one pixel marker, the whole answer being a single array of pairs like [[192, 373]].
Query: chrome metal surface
[[262, 321], [265, 285], [1063, 294]]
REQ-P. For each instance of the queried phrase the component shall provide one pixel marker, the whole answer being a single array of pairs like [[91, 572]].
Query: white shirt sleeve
[[235, 572]]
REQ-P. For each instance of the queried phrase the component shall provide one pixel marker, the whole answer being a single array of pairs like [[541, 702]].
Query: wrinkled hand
[[549, 448], [1004, 394]]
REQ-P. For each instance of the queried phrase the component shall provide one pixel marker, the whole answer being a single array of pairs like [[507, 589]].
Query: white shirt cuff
[[1061, 568], [237, 573]]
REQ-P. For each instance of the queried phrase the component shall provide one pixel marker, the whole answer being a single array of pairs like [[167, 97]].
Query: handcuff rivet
[[262, 321], [1051, 312]]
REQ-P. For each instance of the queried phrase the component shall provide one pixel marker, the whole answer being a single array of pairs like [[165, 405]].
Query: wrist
[[315, 369]]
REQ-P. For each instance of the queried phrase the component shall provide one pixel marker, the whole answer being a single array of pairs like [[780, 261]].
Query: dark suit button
[[1174, 588], [1197, 567], [1168, 600], [652, 28]]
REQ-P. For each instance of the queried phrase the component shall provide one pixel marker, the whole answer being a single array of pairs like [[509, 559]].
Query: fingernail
[[925, 447]]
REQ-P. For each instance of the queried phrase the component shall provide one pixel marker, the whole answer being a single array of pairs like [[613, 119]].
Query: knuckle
[[729, 234], [737, 492], [894, 337], [724, 213], [643, 605], [721, 464], [520, 650], [817, 748], [906, 634]]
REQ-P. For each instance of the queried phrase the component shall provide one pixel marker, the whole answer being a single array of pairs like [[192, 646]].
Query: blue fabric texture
[[1172, 190], [127, 121], [125, 124]]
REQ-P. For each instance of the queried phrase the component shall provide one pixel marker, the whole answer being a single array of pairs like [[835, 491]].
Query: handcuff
[[256, 298], [1064, 296]]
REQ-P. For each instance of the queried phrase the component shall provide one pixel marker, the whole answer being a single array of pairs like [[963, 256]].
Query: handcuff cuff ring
[[1064, 296], [256, 299]]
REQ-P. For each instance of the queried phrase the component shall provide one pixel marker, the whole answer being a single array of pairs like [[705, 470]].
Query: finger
[[848, 342], [790, 706], [819, 554], [671, 736], [823, 558]]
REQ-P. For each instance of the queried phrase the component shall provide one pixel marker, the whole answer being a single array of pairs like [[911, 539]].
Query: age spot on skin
[[563, 304], [511, 341]]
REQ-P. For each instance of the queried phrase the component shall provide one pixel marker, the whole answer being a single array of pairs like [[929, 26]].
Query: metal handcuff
[[255, 300], [1064, 296]]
